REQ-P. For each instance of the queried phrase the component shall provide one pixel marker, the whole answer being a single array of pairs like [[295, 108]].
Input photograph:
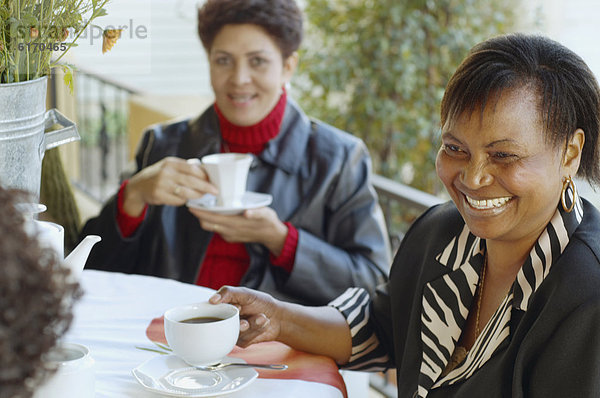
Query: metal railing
[[401, 204], [102, 120], [102, 123]]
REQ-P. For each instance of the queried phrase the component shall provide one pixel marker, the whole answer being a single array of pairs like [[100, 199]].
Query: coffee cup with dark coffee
[[202, 333]]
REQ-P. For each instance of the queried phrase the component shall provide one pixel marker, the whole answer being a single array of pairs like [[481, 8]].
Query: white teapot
[[52, 235]]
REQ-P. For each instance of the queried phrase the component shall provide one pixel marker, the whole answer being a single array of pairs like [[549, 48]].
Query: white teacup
[[202, 333], [229, 173], [74, 377]]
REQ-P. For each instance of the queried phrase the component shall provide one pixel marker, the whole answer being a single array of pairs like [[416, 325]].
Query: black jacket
[[319, 178], [543, 341]]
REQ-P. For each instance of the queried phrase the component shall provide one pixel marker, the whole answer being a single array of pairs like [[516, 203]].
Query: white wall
[[165, 57], [573, 23]]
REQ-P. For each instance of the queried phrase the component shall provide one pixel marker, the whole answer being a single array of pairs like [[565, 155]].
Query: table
[[112, 317]]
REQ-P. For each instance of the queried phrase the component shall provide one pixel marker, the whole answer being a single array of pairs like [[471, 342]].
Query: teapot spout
[[76, 260]]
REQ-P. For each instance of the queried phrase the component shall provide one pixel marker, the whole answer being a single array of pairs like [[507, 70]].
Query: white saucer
[[251, 200], [170, 375]]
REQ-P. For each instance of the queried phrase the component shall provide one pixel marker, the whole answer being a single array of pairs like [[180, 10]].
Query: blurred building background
[[167, 57]]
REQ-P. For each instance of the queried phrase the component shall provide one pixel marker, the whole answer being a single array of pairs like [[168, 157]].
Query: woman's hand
[[257, 225], [319, 330], [171, 181], [259, 313]]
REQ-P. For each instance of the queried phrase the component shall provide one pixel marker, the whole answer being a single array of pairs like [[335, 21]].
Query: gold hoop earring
[[563, 200]]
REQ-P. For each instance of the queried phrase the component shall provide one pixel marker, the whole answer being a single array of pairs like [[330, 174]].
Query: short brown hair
[[281, 19]]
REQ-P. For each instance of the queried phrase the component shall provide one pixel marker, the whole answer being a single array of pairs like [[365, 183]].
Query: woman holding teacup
[[321, 233], [495, 294]]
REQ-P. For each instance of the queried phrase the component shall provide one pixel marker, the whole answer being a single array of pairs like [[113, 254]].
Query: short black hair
[[281, 19], [568, 92]]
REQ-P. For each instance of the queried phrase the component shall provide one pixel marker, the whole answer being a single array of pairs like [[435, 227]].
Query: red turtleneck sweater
[[226, 263]]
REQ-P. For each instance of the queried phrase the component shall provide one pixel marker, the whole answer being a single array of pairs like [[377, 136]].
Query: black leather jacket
[[320, 181]]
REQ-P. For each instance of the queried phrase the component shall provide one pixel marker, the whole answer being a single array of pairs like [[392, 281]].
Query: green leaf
[[68, 79], [100, 13], [163, 349], [152, 350], [4, 14]]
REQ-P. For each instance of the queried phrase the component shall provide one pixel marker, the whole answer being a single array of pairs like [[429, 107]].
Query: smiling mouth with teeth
[[241, 98], [488, 203]]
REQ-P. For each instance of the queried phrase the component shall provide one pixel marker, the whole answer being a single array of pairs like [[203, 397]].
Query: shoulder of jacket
[[589, 231], [168, 130], [333, 142], [325, 131], [158, 137]]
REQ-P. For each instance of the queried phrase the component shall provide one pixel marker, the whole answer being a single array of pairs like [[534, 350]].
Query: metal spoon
[[248, 365]]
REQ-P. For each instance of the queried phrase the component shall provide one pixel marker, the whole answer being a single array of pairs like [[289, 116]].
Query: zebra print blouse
[[446, 302]]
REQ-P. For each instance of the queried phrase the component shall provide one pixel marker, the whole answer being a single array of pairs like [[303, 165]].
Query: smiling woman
[[494, 294], [503, 173], [321, 233]]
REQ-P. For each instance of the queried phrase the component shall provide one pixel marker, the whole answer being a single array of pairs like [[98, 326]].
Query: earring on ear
[[569, 183]]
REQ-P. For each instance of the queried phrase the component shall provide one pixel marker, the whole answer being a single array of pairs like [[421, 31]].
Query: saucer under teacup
[[170, 375], [250, 200]]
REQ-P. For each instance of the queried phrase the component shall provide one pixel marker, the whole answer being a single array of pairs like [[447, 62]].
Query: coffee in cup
[[202, 319], [229, 173], [202, 333]]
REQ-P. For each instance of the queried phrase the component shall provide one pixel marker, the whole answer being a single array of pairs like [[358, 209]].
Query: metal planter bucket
[[23, 137]]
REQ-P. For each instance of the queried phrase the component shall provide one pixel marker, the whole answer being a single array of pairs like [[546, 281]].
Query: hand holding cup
[[171, 181]]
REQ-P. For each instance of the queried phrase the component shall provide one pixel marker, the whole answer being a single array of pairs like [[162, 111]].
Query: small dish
[[251, 200], [170, 375]]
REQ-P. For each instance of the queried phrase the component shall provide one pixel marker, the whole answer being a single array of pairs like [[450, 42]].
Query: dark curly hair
[[36, 300], [568, 93], [282, 19]]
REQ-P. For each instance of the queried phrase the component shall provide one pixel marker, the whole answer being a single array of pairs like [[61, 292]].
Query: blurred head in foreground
[[35, 302]]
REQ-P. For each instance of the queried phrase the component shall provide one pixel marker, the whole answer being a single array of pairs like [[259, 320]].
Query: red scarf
[[226, 263], [251, 139]]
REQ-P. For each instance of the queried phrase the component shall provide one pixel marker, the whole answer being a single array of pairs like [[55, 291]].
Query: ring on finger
[[177, 190]]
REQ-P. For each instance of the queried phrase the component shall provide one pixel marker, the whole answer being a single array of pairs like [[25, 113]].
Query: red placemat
[[301, 365]]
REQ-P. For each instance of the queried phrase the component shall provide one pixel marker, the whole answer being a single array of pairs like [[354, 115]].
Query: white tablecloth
[[111, 320]]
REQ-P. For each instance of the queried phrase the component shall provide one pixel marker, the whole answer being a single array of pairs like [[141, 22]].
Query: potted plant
[[32, 32], [34, 37]]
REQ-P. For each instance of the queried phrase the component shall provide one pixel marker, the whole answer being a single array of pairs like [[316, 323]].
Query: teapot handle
[[68, 132]]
